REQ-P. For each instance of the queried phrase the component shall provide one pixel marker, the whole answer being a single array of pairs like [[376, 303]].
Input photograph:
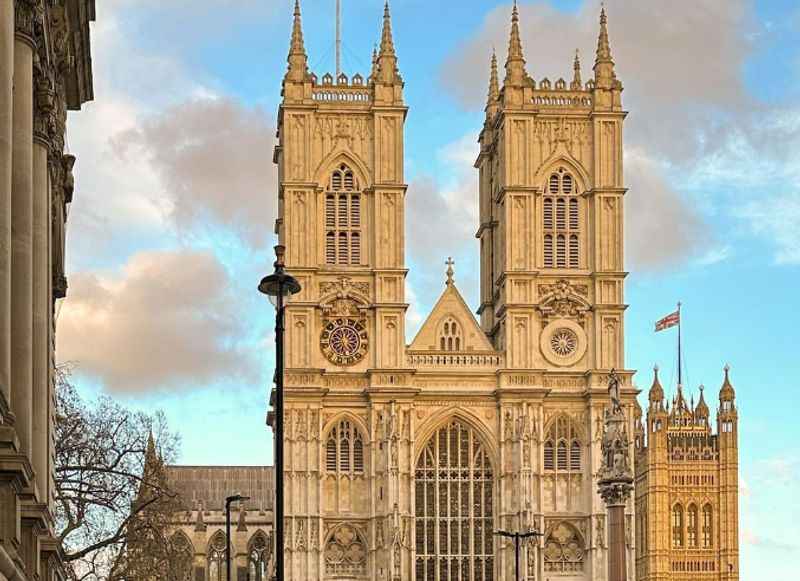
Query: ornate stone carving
[[615, 477], [345, 552], [26, 15], [563, 300], [344, 287]]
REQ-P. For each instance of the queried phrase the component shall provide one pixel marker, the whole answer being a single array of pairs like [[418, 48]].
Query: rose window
[[564, 342]]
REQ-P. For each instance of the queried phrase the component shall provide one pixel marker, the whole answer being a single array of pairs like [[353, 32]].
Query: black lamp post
[[228, 501], [278, 286], [517, 538]]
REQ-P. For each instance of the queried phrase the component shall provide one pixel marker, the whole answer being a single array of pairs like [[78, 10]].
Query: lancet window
[[216, 558], [561, 222], [450, 335], [182, 554], [344, 449], [691, 526], [708, 526], [454, 508], [677, 526], [343, 219], [562, 448], [259, 555]]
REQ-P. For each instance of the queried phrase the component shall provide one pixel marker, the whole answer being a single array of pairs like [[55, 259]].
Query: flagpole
[[680, 367]]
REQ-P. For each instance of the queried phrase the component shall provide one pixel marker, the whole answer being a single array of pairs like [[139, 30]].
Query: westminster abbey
[[403, 459]]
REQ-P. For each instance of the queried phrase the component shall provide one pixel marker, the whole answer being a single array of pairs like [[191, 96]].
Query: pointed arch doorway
[[454, 504]]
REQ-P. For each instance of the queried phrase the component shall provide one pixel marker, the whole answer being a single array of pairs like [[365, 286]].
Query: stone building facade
[[200, 530], [402, 459], [687, 488], [45, 70]]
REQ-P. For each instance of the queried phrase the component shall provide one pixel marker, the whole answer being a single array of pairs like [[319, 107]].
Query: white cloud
[[166, 320], [777, 220]]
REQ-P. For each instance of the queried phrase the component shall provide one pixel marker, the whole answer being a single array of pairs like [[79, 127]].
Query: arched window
[[691, 526], [259, 555], [343, 219], [454, 508], [181, 557], [708, 526], [677, 526], [344, 449], [216, 558], [561, 220], [450, 335], [564, 442], [563, 550]]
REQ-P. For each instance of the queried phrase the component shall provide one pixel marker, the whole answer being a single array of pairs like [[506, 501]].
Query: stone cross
[[450, 272]]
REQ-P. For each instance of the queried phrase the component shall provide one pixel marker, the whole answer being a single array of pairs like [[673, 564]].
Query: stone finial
[[727, 393], [494, 83], [515, 63], [604, 75], [387, 58], [450, 272], [577, 81], [298, 60]]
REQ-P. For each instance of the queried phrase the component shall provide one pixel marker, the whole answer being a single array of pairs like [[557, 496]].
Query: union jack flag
[[671, 320]]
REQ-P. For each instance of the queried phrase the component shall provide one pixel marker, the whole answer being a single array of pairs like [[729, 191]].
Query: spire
[[450, 272], [577, 82], [604, 74], [374, 73], [727, 393], [656, 395], [701, 411], [298, 60], [515, 64], [494, 84], [387, 58], [387, 44]]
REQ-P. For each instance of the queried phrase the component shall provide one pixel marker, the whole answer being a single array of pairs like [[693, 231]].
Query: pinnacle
[[494, 85], [298, 63], [577, 81], [515, 63], [387, 43]]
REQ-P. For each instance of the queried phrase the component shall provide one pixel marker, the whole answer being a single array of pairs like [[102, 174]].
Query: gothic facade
[[45, 70], [687, 483], [402, 460]]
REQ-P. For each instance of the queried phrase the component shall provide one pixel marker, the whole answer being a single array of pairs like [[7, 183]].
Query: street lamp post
[[228, 501], [517, 539], [278, 286]]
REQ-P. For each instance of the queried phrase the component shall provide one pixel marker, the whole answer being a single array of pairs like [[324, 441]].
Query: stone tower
[[341, 203], [687, 520], [401, 459]]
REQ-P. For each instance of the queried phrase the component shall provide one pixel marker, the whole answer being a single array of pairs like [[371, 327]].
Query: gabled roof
[[451, 304]]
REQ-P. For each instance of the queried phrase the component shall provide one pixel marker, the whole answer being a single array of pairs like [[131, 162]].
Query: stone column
[[616, 481], [21, 229], [6, 133], [41, 306]]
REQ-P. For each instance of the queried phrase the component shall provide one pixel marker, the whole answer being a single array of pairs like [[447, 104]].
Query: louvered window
[[561, 219], [343, 219], [344, 449], [562, 455], [562, 448], [575, 457]]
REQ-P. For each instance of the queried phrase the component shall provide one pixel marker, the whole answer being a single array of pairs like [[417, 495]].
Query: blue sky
[[171, 226]]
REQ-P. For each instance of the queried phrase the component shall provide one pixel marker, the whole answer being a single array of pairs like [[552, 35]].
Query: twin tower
[[401, 459]]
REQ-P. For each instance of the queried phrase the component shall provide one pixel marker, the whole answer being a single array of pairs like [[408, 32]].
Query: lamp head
[[279, 283]]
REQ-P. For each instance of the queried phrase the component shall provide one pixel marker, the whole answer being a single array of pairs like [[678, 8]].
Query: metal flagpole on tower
[[680, 359], [338, 38]]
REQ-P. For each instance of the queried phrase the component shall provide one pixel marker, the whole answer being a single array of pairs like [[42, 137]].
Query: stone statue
[[614, 392]]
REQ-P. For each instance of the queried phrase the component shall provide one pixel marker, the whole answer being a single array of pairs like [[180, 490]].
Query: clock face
[[344, 341]]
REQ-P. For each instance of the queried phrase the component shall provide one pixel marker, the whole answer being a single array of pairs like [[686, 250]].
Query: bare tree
[[112, 499]]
